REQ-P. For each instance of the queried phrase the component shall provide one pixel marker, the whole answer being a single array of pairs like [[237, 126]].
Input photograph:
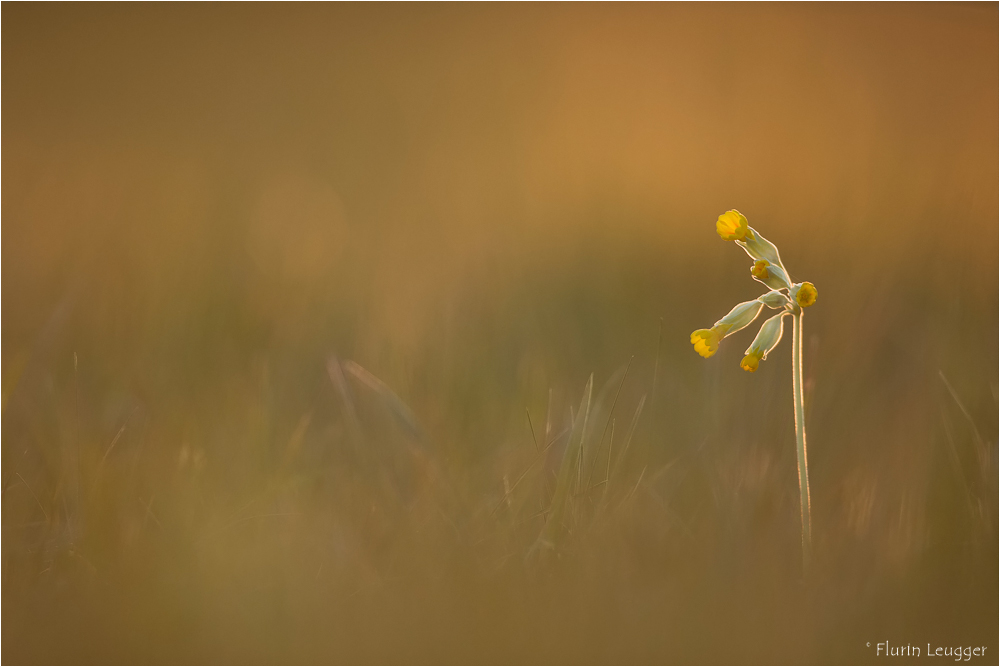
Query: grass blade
[[564, 481]]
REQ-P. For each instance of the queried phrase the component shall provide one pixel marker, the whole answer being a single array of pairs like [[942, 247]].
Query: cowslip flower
[[804, 294], [767, 339], [706, 341], [770, 274], [767, 269], [732, 226], [785, 296]]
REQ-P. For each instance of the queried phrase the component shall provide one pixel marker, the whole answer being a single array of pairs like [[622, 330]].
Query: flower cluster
[[784, 295]]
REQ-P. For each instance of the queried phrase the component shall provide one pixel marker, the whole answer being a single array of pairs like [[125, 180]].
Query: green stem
[[800, 437]]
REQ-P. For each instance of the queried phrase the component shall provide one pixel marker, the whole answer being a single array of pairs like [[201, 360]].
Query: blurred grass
[[281, 283]]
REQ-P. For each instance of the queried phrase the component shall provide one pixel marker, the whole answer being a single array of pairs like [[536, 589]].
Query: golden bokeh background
[[280, 283]]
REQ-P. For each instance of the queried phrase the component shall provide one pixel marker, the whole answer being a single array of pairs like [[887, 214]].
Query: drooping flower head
[[784, 295]]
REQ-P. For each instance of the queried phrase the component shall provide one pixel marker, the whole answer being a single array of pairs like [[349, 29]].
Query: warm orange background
[[479, 204]]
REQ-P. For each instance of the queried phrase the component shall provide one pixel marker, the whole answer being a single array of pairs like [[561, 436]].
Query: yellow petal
[[705, 342], [750, 363], [731, 226], [806, 296]]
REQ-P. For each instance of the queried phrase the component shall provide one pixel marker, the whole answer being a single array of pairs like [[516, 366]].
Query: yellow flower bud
[[804, 294], [732, 226], [767, 339], [770, 274]]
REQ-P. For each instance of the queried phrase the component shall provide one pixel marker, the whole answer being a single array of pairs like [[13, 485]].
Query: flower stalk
[[798, 397]]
